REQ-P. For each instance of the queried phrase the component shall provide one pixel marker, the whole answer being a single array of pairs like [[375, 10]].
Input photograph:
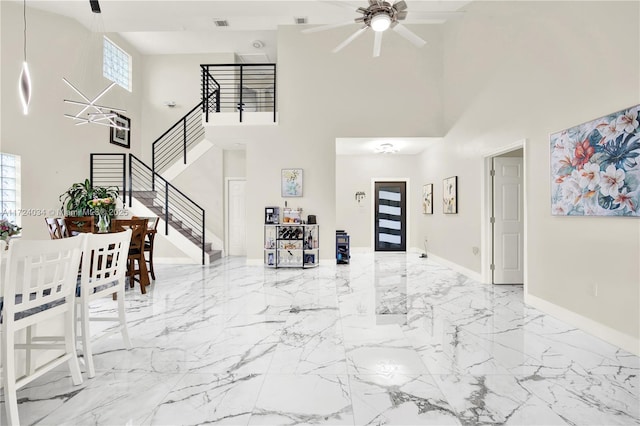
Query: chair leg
[[143, 287], [121, 316], [86, 341], [153, 274], [130, 272], [70, 346], [28, 360], [9, 373]]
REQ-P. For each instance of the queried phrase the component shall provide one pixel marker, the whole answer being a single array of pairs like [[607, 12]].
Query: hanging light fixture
[[91, 112], [386, 148], [24, 83]]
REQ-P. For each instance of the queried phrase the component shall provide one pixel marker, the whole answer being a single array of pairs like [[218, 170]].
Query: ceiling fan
[[380, 16]]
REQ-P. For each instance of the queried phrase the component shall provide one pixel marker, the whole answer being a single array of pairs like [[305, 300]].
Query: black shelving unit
[[291, 246], [342, 248]]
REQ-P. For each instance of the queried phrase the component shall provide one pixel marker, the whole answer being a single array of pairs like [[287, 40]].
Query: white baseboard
[[458, 268], [255, 262], [608, 334]]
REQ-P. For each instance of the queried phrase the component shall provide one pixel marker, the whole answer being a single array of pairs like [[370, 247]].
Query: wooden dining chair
[[79, 224], [39, 285], [104, 267], [53, 226], [152, 230], [137, 266]]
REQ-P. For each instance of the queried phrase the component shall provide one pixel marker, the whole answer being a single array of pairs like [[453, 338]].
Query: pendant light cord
[[24, 16]]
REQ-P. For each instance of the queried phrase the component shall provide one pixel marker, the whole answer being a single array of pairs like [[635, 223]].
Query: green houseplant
[[77, 200]]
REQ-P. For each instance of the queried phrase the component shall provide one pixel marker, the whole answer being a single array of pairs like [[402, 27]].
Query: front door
[[390, 216]]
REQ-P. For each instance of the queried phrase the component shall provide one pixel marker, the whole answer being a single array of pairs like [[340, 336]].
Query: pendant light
[[91, 112], [24, 84]]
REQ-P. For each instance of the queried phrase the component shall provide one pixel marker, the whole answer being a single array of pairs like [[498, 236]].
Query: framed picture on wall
[[427, 198], [121, 135], [291, 183], [450, 195]]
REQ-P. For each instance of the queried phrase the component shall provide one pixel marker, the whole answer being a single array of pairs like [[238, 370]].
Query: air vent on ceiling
[[221, 22], [300, 20]]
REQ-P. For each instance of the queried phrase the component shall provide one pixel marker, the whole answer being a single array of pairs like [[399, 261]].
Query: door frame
[[486, 237], [227, 180], [373, 208]]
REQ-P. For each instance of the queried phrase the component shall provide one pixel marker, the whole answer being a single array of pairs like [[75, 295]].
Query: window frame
[[107, 41], [15, 217]]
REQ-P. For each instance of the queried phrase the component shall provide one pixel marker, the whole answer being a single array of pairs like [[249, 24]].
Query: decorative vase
[[103, 222]]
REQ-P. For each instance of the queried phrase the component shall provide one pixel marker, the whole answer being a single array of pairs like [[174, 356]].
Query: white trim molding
[[456, 267], [606, 333]]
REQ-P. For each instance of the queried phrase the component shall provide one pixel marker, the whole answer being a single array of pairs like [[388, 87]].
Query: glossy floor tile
[[390, 339]]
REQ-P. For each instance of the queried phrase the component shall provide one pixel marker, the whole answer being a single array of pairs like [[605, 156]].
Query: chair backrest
[[40, 275], [138, 230], [63, 227], [77, 225], [53, 226], [152, 221], [104, 260]]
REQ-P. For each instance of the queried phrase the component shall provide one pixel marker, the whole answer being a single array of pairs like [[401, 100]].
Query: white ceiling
[[184, 26], [367, 146]]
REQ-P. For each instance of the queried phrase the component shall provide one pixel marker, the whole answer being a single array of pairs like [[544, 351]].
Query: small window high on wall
[[116, 64], [10, 187]]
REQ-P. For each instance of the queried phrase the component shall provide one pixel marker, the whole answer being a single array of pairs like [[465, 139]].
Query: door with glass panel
[[390, 216]]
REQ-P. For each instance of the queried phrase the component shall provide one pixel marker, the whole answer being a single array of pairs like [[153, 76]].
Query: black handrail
[[176, 206], [109, 169], [178, 138], [239, 88]]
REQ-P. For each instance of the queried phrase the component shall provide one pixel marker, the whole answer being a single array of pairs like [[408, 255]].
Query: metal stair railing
[[238, 88], [109, 169], [167, 201], [179, 138]]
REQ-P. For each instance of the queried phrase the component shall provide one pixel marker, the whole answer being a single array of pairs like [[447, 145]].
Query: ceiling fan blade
[[350, 39], [326, 27], [409, 35], [401, 15], [400, 5], [377, 43]]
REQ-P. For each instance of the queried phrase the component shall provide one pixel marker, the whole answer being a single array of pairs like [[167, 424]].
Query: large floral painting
[[595, 168]]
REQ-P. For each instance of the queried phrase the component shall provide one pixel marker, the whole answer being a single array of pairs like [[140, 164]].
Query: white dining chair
[[39, 285], [104, 268]]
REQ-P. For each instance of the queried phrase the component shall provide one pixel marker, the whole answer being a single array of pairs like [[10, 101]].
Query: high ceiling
[[177, 26]]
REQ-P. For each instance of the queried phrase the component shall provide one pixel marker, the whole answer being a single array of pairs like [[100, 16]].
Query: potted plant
[[8, 229], [78, 200]]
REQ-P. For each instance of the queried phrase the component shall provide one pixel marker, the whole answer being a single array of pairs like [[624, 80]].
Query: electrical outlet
[[475, 250]]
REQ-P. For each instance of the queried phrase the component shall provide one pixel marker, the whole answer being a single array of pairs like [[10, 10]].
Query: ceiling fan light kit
[[379, 16]]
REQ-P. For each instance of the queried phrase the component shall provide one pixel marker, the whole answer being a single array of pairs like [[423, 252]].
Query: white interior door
[[508, 227], [237, 245]]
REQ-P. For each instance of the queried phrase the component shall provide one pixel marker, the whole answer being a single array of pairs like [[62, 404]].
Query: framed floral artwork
[[450, 195], [595, 168], [291, 181], [427, 198]]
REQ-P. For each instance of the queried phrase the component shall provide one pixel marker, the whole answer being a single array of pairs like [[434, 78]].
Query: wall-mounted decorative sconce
[[360, 195]]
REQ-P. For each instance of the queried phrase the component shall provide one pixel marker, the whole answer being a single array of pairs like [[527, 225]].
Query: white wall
[[171, 78], [203, 182], [355, 173], [323, 96], [516, 70], [54, 151], [235, 163]]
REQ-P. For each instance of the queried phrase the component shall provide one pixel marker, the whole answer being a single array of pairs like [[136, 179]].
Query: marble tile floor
[[389, 339]]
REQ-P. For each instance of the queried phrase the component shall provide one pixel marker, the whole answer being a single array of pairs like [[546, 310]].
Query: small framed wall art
[[450, 195], [120, 136], [291, 183], [427, 198]]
